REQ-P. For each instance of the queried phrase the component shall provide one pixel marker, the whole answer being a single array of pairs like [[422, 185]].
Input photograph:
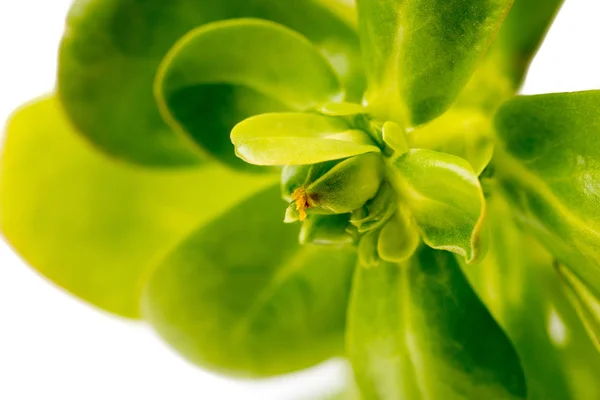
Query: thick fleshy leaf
[[281, 68], [504, 67], [421, 53], [94, 226], [240, 295], [111, 52], [445, 198], [418, 331], [550, 168], [517, 282], [297, 139], [587, 306], [463, 133]]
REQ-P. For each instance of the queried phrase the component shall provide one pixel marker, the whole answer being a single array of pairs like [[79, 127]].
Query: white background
[[54, 347]]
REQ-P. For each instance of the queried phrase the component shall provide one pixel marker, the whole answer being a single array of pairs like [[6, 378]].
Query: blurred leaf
[[586, 305], [297, 139], [550, 168], [463, 133], [517, 282], [418, 331], [111, 51], [444, 196], [240, 295], [521, 35], [94, 226], [282, 70], [419, 54], [504, 67]]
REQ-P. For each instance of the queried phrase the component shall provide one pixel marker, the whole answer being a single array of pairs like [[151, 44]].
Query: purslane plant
[[439, 232]]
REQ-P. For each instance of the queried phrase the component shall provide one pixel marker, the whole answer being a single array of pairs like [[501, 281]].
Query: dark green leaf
[[418, 331], [111, 51], [94, 226], [240, 295], [521, 35], [550, 168], [502, 71], [281, 68], [421, 53]]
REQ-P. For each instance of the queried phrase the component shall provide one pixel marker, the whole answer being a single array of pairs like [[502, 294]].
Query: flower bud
[[332, 189], [377, 211]]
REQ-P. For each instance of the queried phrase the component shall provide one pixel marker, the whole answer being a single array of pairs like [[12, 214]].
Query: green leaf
[[326, 229], [505, 64], [94, 226], [418, 331], [521, 35], [419, 54], [445, 198], [550, 168], [517, 282], [342, 109], [297, 139], [240, 295], [463, 133], [281, 68], [587, 306], [111, 52], [398, 239]]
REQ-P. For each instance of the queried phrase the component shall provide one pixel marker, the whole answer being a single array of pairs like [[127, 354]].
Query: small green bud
[[348, 185], [398, 239], [326, 229], [295, 176], [376, 211], [394, 136], [332, 188], [367, 250]]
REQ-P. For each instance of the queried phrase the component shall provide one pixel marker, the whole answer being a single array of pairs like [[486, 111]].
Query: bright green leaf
[[297, 138], [517, 282], [342, 109], [111, 52], [418, 331], [92, 225], [421, 53], [394, 136], [276, 67], [240, 295], [550, 168], [444, 196], [463, 133]]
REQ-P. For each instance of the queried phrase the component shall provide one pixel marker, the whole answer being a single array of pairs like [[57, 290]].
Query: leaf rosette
[[154, 182]]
